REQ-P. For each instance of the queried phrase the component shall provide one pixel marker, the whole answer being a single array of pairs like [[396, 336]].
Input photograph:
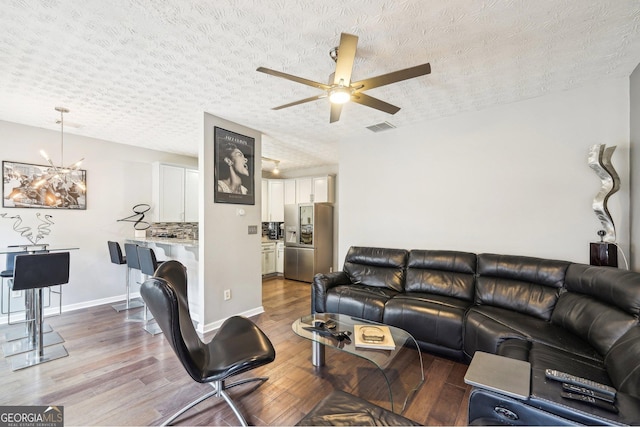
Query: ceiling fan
[[341, 89]]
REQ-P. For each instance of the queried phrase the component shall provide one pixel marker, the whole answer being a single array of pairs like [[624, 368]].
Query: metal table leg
[[317, 354]]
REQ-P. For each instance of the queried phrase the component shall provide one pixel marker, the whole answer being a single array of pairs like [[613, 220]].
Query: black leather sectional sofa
[[575, 318]]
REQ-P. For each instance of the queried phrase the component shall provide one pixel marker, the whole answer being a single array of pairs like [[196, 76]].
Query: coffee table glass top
[[401, 368]]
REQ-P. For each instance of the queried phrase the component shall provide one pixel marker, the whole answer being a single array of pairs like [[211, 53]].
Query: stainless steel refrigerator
[[308, 240]]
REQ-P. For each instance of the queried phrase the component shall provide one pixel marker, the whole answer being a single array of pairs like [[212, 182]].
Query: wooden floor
[[118, 375]]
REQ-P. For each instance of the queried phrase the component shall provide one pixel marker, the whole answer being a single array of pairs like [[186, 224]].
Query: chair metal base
[[135, 316], [152, 327], [134, 303], [34, 357], [19, 332], [26, 345], [219, 388]]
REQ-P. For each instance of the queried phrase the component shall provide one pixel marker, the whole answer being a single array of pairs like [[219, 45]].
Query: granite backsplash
[[177, 230]]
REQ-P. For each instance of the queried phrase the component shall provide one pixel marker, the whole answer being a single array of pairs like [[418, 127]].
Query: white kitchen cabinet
[[265, 201], [280, 257], [268, 258], [304, 190], [175, 193], [289, 191], [276, 200], [191, 195], [317, 189]]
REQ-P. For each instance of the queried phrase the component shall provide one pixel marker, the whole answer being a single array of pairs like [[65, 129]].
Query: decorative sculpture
[[44, 228], [138, 217], [600, 162]]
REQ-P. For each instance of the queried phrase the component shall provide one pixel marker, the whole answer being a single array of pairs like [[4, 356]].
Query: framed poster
[[36, 186], [233, 171]]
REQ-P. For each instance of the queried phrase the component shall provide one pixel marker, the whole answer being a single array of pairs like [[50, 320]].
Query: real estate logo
[[31, 416]]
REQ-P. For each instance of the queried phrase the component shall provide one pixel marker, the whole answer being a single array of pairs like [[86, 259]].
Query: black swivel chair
[[117, 258], [238, 346]]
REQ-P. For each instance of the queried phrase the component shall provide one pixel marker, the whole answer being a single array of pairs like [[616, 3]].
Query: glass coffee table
[[401, 367]]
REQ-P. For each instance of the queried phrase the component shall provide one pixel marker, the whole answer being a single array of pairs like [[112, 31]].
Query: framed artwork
[[26, 185], [233, 171]]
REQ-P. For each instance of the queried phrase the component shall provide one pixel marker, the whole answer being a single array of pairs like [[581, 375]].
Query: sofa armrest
[[322, 282]]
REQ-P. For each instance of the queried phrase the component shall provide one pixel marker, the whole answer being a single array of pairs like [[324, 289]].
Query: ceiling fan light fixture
[[340, 95]]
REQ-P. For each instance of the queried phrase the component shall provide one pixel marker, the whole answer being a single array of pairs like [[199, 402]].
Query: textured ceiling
[[141, 72]]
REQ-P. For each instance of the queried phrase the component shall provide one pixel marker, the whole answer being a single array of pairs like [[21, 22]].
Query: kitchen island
[[185, 251]]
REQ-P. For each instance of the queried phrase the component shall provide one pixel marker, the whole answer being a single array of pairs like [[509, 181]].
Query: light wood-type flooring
[[119, 375]]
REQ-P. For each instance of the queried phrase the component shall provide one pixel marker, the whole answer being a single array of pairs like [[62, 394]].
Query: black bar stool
[[31, 274], [116, 257], [148, 266], [131, 257]]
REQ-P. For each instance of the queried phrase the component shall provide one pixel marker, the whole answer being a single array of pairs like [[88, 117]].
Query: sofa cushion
[[376, 267], [365, 302], [598, 323], [449, 273], [489, 326], [616, 287], [523, 284], [548, 357], [623, 362], [429, 318]]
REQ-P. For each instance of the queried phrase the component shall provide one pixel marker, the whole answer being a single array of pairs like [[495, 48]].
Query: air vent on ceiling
[[380, 127]]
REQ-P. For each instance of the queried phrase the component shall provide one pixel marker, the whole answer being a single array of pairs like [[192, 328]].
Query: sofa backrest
[[448, 273], [601, 304], [524, 284], [378, 267], [623, 362]]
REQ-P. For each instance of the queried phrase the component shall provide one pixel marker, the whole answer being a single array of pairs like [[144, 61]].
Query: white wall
[[229, 257], [118, 177], [511, 179]]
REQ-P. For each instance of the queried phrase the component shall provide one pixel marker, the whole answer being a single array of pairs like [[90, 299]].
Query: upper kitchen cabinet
[[175, 193], [273, 200], [276, 200], [317, 189], [289, 191]]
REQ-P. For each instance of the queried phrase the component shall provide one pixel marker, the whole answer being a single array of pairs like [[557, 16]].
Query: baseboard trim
[[210, 327], [51, 311]]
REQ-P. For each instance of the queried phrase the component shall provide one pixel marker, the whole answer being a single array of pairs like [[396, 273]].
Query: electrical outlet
[[227, 294], [253, 229]]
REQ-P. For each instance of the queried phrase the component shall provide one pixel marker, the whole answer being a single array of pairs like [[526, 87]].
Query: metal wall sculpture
[[600, 162], [43, 229]]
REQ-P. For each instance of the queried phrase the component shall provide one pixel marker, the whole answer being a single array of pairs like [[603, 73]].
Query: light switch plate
[[253, 229]]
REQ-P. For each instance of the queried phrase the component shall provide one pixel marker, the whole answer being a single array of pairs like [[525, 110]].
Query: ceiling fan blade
[[370, 101], [302, 101], [336, 109], [396, 76], [346, 56], [293, 78]]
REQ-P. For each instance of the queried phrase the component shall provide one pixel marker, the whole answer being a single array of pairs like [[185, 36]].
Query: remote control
[[322, 331], [572, 388], [591, 401], [582, 382]]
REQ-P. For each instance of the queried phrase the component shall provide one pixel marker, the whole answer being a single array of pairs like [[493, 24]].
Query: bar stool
[[8, 274], [16, 334], [116, 257], [148, 267], [131, 257], [32, 273]]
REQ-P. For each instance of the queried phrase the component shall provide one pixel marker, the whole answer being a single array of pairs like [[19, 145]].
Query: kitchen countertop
[[166, 241]]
